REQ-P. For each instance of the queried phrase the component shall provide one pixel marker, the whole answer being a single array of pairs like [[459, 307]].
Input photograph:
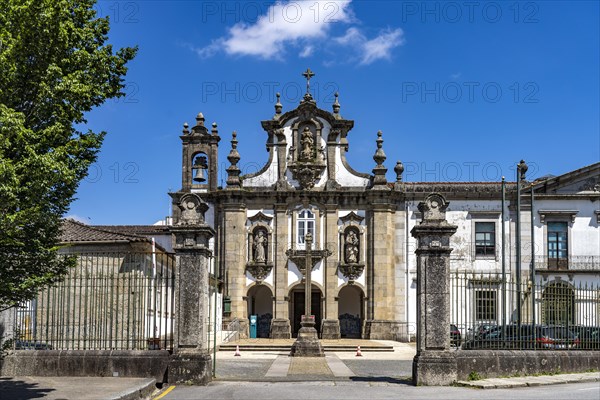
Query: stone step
[[286, 348]]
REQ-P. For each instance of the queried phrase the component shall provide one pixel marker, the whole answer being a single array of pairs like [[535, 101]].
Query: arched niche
[[260, 303], [350, 300]]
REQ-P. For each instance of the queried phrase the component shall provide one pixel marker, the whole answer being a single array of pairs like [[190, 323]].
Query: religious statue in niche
[[259, 246], [307, 142], [351, 248]]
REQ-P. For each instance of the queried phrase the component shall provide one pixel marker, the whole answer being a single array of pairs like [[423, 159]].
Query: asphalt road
[[373, 390]]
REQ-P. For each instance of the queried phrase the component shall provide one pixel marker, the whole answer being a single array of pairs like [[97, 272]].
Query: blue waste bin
[[253, 326]]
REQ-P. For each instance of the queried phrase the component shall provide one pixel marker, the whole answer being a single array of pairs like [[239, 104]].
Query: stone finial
[[278, 106], [433, 208], [233, 171], [399, 169], [200, 119], [380, 170], [214, 129], [336, 104], [186, 130]]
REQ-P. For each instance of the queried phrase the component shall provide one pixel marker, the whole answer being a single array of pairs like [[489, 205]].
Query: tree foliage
[[55, 65]]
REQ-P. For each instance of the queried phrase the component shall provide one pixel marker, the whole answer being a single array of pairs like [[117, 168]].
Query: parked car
[[31, 345], [589, 336], [455, 336], [479, 330], [525, 337]]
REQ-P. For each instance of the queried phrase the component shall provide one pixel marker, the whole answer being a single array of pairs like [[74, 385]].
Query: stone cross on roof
[[308, 74]]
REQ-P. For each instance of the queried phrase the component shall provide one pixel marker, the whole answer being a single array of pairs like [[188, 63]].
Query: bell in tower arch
[[200, 166]]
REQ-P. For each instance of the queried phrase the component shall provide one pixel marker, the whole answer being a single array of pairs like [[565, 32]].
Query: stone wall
[[504, 363], [121, 363]]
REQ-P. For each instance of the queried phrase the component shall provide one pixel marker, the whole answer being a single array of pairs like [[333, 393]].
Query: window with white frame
[[485, 239], [305, 224]]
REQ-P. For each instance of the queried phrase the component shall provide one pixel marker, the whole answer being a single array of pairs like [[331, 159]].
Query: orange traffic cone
[[358, 352], [237, 351]]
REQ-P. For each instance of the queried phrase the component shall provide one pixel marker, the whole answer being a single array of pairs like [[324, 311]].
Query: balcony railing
[[571, 263]]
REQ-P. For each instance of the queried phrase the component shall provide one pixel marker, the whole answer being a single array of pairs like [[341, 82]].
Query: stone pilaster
[[190, 362], [434, 364], [330, 326], [235, 256], [381, 320], [280, 325]]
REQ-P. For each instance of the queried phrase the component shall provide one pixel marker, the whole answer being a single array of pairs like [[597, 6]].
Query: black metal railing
[[571, 263], [484, 309], [109, 301]]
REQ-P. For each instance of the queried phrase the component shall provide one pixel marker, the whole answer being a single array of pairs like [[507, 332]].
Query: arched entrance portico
[[350, 311], [297, 307], [260, 303]]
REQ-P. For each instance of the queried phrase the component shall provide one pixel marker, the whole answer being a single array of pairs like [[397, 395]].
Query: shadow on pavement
[[386, 379], [15, 389]]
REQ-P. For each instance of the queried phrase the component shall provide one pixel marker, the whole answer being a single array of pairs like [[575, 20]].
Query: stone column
[[434, 364], [190, 362]]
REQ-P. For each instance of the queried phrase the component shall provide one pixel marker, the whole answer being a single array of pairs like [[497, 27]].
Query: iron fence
[[109, 301], [553, 314]]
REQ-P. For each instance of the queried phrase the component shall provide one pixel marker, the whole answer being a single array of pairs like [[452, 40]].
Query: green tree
[[55, 65]]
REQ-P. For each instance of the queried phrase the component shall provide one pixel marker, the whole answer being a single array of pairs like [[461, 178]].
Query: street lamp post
[[521, 170]]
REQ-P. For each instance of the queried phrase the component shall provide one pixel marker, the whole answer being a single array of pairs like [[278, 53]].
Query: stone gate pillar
[[434, 363], [191, 362]]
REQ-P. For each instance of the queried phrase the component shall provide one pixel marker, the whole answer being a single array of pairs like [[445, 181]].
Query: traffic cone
[[358, 352], [237, 351]]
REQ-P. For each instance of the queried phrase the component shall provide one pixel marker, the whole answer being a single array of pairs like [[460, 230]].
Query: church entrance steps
[[285, 345]]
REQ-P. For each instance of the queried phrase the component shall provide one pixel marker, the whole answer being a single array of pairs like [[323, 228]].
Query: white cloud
[[307, 51], [284, 24], [304, 26], [83, 220], [381, 46], [373, 49]]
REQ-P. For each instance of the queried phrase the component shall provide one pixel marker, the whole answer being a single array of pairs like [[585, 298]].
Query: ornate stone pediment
[[259, 270], [352, 271], [260, 217], [352, 217], [307, 174]]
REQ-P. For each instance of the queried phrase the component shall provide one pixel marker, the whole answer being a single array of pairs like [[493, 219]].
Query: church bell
[[200, 166]]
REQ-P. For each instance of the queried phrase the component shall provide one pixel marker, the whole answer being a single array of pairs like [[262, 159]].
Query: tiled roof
[[74, 232], [136, 229]]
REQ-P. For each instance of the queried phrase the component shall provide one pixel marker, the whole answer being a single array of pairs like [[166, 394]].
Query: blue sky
[[461, 90]]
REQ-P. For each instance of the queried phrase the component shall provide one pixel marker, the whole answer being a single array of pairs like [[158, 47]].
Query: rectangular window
[[557, 245], [485, 305], [485, 238], [306, 224]]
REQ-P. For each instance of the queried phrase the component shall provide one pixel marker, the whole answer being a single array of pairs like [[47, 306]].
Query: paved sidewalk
[[524, 381]]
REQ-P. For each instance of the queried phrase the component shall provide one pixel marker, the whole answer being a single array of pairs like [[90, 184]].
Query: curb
[[530, 381], [141, 391]]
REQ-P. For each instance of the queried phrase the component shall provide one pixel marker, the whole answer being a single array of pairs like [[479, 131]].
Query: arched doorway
[[297, 307], [558, 304], [260, 303], [350, 311]]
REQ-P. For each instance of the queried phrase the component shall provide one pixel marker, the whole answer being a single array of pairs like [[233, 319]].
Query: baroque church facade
[[363, 262]]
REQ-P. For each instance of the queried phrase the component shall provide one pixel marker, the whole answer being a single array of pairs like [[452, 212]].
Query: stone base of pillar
[[330, 329], [307, 344], [388, 330], [190, 367], [434, 368], [280, 328]]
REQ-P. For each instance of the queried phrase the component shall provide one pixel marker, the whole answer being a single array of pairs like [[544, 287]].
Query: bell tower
[[200, 157]]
